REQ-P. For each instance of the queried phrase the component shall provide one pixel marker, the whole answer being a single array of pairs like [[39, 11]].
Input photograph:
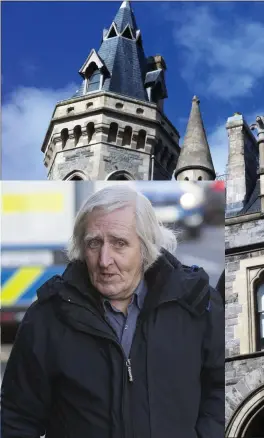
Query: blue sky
[[214, 50]]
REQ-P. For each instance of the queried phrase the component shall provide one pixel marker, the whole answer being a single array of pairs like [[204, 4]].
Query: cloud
[[26, 114], [218, 141], [222, 56]]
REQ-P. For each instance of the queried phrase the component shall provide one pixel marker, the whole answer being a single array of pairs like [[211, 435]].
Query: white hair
[[152, 234]]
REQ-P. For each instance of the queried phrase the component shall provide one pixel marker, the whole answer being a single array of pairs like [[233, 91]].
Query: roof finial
[[125, 4], [196, 99]]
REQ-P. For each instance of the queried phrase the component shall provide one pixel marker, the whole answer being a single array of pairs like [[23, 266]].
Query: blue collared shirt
[[125, 325]]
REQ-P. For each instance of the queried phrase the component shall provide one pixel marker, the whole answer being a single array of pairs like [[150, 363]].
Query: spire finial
[[125, 4], [196, 99]]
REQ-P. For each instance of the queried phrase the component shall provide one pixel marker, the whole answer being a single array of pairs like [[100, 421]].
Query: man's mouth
[[106, 276]]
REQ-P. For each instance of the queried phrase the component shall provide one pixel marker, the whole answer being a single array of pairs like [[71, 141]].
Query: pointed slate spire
[[195, 152], [122, 54], [124, 57], [125, 16]]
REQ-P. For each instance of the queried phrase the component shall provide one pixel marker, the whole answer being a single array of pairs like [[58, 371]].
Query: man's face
[[112, 252]]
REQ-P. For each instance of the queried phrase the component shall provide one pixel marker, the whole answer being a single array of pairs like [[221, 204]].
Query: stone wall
[[118, 159], [240, 272], [243, 377], [244, 233]]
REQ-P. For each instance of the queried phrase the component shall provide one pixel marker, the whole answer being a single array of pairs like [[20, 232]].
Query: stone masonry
[[96, 157], [244, 242]]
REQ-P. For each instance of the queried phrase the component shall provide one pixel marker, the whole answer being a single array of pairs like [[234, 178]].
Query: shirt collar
[[137, 297]]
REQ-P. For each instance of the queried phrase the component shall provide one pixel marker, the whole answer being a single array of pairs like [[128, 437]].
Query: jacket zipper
[[127, 362], [129, 370]]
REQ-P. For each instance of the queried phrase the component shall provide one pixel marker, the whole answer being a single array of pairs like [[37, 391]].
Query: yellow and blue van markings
[[19, 285]]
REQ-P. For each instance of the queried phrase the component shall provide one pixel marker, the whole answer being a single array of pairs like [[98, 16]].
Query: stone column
[[242, 164], [101, 132], [84, 137], [119, 137], [259, 126], [71, 140]]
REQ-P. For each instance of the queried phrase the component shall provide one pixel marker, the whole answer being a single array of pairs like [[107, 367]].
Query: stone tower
[[195, 162], [114, 126]]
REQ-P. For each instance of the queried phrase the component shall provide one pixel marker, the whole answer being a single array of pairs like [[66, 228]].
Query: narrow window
[[186, 178], [64, 137], [141, 139], [77, 134], [200, 178], [70, 109], [260, 315], [90, 131], [127, 136], [112, 134], [94, 81]]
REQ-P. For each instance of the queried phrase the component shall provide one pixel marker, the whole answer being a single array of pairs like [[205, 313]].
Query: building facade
[[114, 127], [245, 280]]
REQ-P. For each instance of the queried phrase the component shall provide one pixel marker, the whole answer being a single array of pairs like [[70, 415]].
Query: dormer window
[[94, 81], [127, 33], [93, 72], [112, 32], [93, 78]]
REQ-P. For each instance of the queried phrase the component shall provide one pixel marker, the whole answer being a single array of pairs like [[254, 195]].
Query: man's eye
[[120, 243], [95, 243]]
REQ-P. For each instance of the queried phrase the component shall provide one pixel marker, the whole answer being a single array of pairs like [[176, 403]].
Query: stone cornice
[[244, 356], [104, 109], [244, 218]]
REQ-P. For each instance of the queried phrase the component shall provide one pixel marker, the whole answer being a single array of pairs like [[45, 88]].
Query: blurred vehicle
[[177, 204], [215, 202], [36, 224]]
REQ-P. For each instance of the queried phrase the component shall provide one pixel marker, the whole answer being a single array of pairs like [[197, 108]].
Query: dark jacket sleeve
[[26, 387], [211, 421]]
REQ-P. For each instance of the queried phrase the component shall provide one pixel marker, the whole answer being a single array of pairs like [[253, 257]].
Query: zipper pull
[[129, 370]]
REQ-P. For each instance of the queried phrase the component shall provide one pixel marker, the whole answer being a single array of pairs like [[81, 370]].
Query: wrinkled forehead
[[121, 221]]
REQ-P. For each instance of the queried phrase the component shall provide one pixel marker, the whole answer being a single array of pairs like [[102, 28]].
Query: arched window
[[127, 136], [112, 133], [64, 137], [75, 175], [200, 178], [260, 314], [141, 139], [186, 178], [77, 131], [120, 175], [76, 178], [90, 131]]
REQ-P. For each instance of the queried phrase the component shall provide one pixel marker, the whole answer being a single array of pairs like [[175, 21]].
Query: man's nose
[[105, 258]]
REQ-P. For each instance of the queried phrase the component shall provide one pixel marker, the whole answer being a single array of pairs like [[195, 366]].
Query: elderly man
[[128, 343]]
